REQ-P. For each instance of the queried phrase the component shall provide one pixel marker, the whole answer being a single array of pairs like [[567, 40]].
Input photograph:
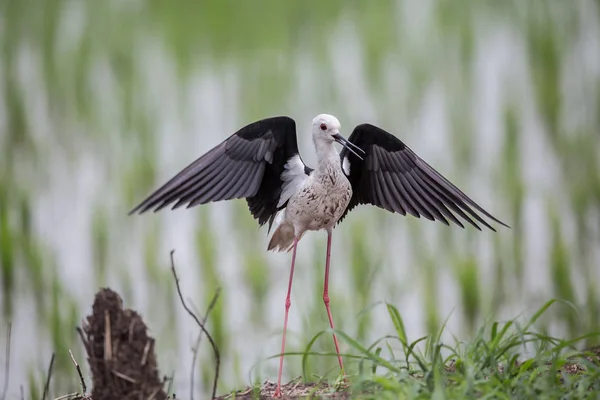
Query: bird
[[261, 163]]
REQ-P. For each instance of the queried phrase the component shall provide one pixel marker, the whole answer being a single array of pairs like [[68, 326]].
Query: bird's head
[[326, 126], [326, 129]]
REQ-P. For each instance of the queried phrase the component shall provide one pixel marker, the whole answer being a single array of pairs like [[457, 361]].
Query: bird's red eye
[[323, 127]]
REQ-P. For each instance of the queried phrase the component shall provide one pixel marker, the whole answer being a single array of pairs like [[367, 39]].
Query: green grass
[[503, 360]]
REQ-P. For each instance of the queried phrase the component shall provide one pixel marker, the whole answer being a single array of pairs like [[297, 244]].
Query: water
[[122, 96]]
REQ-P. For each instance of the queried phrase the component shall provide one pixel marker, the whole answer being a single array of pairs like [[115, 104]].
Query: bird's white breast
[[321, 200]]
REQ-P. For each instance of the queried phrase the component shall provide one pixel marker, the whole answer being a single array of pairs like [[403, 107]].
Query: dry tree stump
[[119, 352]]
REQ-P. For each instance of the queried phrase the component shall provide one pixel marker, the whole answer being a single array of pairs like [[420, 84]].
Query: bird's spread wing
[[248, 164], [394, 178]]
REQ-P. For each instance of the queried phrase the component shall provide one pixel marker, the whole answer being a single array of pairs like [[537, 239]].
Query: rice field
[[100, 102]]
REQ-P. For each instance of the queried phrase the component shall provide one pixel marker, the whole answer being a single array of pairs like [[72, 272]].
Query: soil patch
[[296, 389]]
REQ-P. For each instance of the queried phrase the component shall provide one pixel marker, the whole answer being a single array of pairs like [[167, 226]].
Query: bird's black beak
[[349, 145]]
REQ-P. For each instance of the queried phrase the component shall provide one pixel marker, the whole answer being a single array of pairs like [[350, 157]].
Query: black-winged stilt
[[261, 163]]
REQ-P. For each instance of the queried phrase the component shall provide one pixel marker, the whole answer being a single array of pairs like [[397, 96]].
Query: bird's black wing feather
[[394, 178], [248, 164]]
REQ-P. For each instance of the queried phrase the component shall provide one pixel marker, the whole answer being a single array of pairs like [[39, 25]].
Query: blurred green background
[[101, 101]]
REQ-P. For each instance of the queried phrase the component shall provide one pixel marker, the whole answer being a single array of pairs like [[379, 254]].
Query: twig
[[83, 387], [69, 396], [22, 393], [84, 341], [123, 376], [48, 378], [212, 304], [7, 361], [170, 383], [158, 389], [201, 325], [146, 350], [107, 337], [131, 325]]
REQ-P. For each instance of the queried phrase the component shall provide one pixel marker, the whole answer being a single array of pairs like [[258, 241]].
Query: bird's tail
[[282, 239]]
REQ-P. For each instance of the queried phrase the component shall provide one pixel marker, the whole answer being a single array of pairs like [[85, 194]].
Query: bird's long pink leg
[[288, 303], [326, 299]]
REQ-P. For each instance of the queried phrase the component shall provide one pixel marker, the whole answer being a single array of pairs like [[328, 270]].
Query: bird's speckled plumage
[[321, 201], [316, 201]]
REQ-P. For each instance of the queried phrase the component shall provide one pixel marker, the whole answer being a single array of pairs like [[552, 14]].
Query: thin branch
[[84, 341], [170, 387], [123, 376], [212, 304], [83, 387], [107, 337], [48, 377], [153, 395], [69, 396], [201, 325], [146, 351], [131, 325], [7, 361]]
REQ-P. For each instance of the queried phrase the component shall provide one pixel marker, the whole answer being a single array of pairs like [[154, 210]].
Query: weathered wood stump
[[120, 352]]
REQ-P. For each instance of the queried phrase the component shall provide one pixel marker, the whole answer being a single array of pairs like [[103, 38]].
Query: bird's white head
[[325, 126], [325, 131]]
